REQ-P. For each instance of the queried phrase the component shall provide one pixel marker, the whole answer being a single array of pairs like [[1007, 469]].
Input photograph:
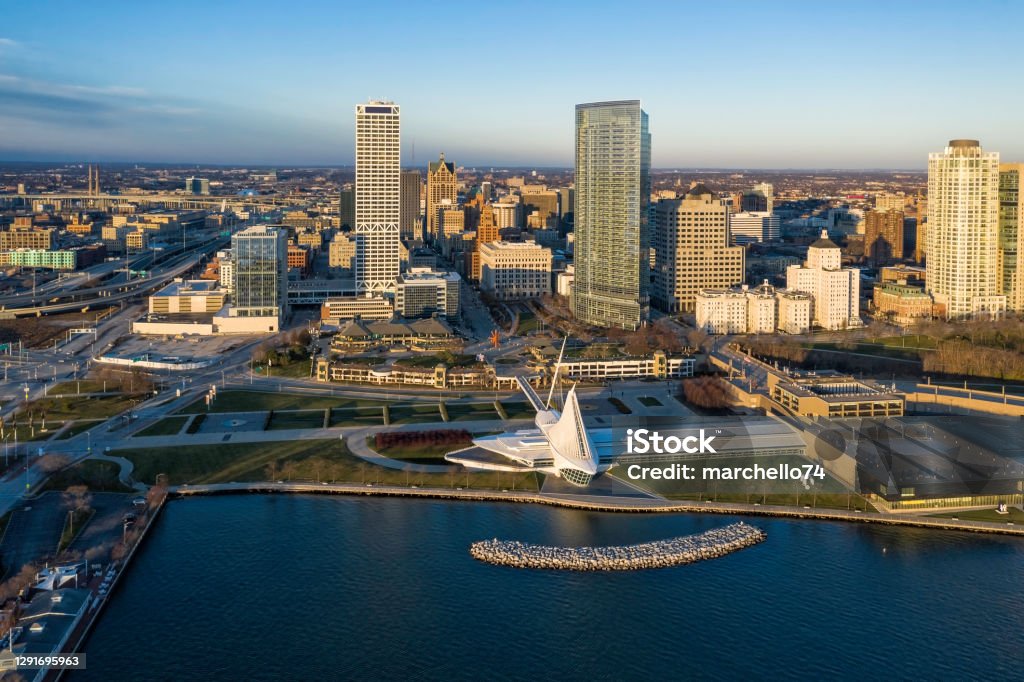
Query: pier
[[658, 554]]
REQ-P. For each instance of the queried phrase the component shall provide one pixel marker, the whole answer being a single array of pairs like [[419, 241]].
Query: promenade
[[600, 503]]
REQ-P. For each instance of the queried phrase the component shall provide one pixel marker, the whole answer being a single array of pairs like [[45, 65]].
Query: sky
[[726, 84]]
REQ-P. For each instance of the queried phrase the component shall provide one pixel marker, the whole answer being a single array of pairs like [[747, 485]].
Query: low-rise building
[[336, 310], [28, 237], [188, 296], [835, 395], [299, 259], [422, 292], [901, 302], [342, 252], [427, 334], [514, 270]]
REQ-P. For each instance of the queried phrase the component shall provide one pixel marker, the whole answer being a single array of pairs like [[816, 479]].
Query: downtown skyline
[[735, 87]]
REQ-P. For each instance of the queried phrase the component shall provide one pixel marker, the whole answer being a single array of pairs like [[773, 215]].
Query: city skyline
[[248, 93]]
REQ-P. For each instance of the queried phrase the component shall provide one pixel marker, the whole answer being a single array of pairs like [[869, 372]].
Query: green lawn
[[415, 413], [254, 401], [326, 459], [650, 401], [296, 369], [83, 386], [471, 411], [528, 322], [518, 409], [67, 408], [98, 475], [305, 419], [1014, 514], [164, 427], [620, 406], [80, 519], [423, 454], [357, 416]]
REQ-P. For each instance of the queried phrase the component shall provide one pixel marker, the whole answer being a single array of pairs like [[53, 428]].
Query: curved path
[[125, 475]]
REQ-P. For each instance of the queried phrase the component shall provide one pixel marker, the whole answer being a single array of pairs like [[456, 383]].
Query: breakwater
[[658, 554]]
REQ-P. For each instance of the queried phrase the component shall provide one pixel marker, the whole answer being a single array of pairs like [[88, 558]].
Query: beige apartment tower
[[963, 273]]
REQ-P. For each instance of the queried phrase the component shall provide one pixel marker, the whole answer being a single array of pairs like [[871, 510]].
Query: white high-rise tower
[[963, 230], [378, 196]]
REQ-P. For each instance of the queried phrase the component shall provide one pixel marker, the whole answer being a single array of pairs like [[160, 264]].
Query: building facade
[[835, 290], [963, 235], [260, 255], [1011, 234], [422, 292], [883, 236], [409, 224], [514, 270], [442, 192], [613, 163], [692, 252], [754, 226], [378, 196]]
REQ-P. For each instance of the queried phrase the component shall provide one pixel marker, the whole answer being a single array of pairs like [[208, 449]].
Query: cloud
[[7, 42]]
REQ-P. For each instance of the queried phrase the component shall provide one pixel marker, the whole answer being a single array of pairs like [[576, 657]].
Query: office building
[[442, 193], [1011, 251], [486, 231], [901, 303], [422, 292], [890, 201], [187, 296], [347, 208], [197, 186], [28, 237], [507, 215], [963, 231], [514, 270], [692, 251], [754, 226], [834, 290], [759, 199], [409, 224], [260, 255], [342, 252], [883, 236], [378, 196], [453, 221], [613, 162]]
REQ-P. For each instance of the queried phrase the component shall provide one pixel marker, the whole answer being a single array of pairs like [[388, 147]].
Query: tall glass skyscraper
[[613, 189], [261, 271], [378, 196]]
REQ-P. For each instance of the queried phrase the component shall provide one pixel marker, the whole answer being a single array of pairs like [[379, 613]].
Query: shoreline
[[614, 505]]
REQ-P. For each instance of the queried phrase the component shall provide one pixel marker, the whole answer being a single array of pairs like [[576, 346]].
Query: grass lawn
[[80, 519], [528, 322], [421, 454], [296, 369], [357, 416], [98, 475], [1014, 514], [67, 408], [415, 413], [326, 459], [254, 401], [83, 386], [518, 409], [305, 419], [449, 359], [620, 406], [650, 401], [78, 427], [25, 433], [471, 411], [164, 427]]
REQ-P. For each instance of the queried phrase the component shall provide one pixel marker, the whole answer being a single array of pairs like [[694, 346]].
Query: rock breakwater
[[658, 554]]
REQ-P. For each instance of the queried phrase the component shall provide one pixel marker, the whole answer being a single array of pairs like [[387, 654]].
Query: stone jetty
[[659, 554]]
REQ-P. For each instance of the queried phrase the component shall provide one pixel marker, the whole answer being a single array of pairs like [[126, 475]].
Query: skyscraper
[[963, 230], [347, 208], [692, 252], [613, 163], [486, 232], [197, 186], [409, 225], [378, 195], [442, 192], [260, 261], [883, 236], [1011, 234]]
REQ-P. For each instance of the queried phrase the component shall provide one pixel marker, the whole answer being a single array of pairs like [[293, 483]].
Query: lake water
[[320, 587]]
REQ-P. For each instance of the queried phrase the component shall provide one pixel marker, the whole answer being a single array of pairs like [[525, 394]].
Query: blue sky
[[731, 84]]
